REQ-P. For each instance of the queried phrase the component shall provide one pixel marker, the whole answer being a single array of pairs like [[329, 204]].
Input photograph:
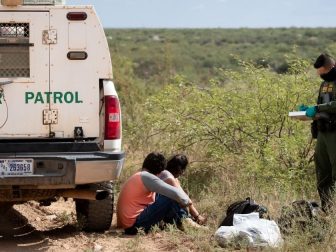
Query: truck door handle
[[16, 44]]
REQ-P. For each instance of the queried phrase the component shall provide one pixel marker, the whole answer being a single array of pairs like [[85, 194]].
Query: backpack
[[299, 214], [242, 207], [304, 216]]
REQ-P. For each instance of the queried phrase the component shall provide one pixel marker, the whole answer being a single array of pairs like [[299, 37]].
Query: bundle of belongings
[[245, 226], [306, 217]]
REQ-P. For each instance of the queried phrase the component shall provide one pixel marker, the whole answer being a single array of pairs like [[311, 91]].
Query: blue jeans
[[163, 209]]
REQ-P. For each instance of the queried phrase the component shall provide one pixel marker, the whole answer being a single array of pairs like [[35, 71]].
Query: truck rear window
[[14, 50]]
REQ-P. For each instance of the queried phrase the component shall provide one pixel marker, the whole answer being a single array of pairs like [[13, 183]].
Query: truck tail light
[[112, 118], [76, 16], [77, 55]]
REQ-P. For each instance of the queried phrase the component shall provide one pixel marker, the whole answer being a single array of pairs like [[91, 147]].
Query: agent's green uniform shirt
[[325, 150]]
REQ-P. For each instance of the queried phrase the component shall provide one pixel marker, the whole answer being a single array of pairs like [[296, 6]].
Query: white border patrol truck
[[60, 120]]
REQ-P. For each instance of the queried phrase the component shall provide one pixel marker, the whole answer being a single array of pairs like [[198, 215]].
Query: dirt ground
[[30, 227]]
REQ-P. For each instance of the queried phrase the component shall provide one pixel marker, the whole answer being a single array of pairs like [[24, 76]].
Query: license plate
[[16, 167]]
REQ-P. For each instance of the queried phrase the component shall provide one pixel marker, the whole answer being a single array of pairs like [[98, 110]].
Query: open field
[[222, 97], [29, 227]]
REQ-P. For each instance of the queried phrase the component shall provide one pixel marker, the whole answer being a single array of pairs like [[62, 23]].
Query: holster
[[314, 129], [325, 126]]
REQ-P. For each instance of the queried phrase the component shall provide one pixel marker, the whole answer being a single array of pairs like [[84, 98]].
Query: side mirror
[[5, 82]]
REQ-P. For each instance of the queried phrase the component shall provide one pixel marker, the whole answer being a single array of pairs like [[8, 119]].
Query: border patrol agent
[[324, 129]]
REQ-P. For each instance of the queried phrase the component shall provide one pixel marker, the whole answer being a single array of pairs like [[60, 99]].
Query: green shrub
[[238, 124]]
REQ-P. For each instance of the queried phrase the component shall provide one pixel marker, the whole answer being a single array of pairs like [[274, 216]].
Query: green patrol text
[[54, 97]]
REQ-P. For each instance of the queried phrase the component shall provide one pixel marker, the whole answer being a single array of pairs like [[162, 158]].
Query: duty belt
[[326, 126]]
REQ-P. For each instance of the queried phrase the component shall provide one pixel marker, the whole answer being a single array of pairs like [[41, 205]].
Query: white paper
[[300, 115]]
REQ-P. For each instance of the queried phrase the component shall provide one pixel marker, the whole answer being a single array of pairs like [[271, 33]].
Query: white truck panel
[[64, 88], [53, 75], [71, 75], [77, 40], [25, 119]]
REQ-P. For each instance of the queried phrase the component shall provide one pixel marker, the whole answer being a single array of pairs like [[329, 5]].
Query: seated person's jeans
[[163, 209]]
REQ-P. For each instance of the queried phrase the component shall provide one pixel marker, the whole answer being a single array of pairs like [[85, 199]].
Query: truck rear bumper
[[66, 170]]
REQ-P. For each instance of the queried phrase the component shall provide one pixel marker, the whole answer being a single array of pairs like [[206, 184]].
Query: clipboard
[[299, 115]]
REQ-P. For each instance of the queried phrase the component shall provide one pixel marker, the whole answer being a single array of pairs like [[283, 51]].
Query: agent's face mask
[[330, 76]]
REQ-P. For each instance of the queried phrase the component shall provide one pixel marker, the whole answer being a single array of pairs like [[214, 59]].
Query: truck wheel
[[96, 215], [5, 207]]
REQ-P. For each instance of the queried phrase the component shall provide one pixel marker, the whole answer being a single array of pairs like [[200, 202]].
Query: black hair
[[324, 60], [177, 164], [154, 163]]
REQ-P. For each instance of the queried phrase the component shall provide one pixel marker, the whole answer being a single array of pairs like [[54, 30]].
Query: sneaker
[[191, 223]]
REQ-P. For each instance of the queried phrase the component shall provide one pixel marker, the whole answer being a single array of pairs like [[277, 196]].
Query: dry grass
[[212, 197]]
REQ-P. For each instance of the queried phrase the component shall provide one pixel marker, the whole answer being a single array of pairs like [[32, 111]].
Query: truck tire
[[96, 215], [5, 207]]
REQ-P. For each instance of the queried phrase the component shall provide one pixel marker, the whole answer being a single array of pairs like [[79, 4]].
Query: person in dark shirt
[[176, 166], [324, 129]]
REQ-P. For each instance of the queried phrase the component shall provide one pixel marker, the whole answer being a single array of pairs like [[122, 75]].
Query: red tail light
[[112, 118], [76, 16]]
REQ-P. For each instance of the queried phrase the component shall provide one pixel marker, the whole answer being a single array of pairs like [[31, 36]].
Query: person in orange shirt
[[138, 205]]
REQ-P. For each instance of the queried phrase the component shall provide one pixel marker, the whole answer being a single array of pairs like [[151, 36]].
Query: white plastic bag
[[250, 230]]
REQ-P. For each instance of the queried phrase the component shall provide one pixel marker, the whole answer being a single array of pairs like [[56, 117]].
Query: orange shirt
[[133, 199]]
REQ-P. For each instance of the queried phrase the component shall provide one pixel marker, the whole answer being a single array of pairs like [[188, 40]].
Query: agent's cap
[[324, 60]]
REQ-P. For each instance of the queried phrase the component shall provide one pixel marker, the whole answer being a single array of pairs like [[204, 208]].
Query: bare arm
[[192, 209], [172, 182], [194, 213]]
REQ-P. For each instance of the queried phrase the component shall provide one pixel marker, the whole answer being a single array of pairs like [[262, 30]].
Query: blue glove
[[302, 107], [311, 111]]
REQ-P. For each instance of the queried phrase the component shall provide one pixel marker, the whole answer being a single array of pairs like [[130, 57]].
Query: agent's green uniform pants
[[325, 163]]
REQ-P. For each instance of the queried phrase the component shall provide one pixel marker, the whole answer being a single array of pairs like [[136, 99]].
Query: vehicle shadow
[[16, 234]]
